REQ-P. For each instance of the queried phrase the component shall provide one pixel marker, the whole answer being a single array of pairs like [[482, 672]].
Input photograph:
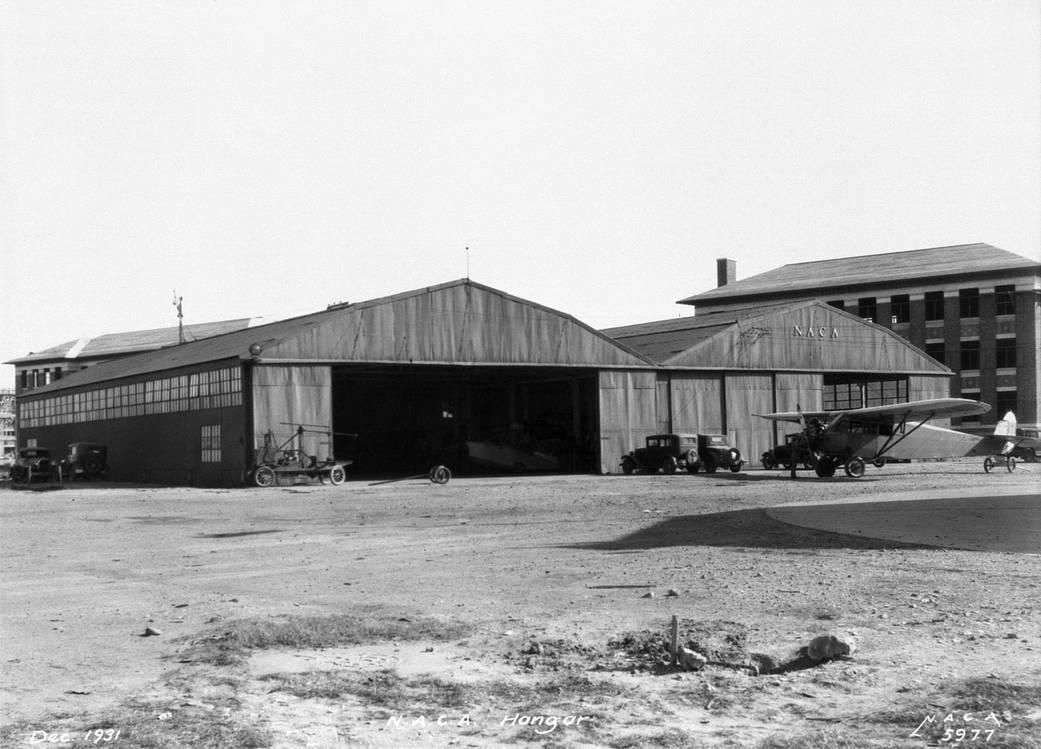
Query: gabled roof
[[888, 269], [801, 336], [461, 322], [132, 342]]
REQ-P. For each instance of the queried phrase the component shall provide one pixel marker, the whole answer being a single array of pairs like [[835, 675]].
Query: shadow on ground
[[740, 528]]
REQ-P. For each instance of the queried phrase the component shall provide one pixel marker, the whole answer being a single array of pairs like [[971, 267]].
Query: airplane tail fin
[[1006, 428]]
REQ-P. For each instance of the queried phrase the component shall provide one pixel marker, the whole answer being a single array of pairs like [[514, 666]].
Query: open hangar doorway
[[402, 420]]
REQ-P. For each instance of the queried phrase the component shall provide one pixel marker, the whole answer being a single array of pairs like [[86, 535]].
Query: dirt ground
[[563, 590]]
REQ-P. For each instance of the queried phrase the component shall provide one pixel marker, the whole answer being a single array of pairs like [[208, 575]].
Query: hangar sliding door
[[697, 403], [285, 397], [628, 413], [747, 395]]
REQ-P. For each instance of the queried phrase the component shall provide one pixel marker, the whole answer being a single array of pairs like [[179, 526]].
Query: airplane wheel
[[1011, 465], [855, 467], [440, 475], [825, 467], [878, 462], [988, 464]]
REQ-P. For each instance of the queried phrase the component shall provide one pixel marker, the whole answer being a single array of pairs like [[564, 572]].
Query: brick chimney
[[726, 271]]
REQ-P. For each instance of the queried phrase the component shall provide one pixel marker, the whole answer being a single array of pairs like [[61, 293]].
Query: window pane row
[[220, 388]]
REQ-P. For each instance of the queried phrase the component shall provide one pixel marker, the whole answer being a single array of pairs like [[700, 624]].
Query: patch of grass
[[670, 738], [997, 695], [230, 642], [825, 738]]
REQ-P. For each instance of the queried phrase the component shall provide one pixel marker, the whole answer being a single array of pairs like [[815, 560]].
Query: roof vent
[[726, 271]]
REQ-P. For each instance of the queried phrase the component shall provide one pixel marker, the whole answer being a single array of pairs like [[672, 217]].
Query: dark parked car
[[32, 463], [782, 455], [664, 452], [85, 460], [714, 452]]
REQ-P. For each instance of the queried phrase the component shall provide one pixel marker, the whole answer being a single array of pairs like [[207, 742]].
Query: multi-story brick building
[[975, 308]]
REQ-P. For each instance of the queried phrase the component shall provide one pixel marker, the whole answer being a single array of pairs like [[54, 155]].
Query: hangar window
[[842, 392], [1005, 299], [211, 443], [867, 308], [934, 305], [900, 308], [1005, 402], [970, 355], [968, 302], [1005, 353], [937, 351]]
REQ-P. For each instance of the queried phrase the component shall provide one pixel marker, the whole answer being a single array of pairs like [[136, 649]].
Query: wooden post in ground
[[674, 642]]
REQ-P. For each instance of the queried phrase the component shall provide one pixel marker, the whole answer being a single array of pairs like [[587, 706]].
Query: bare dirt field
[[527, 611]]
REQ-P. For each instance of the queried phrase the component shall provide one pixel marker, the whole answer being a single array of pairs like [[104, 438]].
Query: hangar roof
[[132, 342], [461, 322], [805, 336], [889, 269]]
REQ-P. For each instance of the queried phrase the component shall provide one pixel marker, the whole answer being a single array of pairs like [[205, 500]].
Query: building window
[[1005, 299], [970, 355], [211, 443], [838, 304], [968, 302], [1006, 401], [1005, 353], [867, 308], [843, 392], [934, 305], [900, 308], [937, 351]]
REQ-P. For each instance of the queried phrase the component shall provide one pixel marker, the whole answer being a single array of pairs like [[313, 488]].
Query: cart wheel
[[337, 475], [264, 476], [1010, 464], [440, 474], [988, 464]]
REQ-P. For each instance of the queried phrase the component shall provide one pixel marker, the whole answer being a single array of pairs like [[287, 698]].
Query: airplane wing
[[924, 410], [894, 413]]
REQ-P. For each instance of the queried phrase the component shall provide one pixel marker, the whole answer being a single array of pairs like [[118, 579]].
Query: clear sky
[[270, 158]]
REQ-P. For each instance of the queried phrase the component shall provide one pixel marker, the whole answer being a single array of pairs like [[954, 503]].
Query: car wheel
[[337, 475], [92, 465], [710, 463], [768, 462], [988, 464], [1011, 465], [628, 466], [264, 476], [668, 465], [855, 467]]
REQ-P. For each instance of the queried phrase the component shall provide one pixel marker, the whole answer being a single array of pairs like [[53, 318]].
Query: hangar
[[436, 374]]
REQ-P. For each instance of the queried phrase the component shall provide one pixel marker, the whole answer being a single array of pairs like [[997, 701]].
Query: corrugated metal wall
[[628, 413], [697, 403], [746, 396], [287, 396]]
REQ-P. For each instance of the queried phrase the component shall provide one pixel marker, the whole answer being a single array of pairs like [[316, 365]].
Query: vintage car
[[781, 456], [85, 460], [664, 452], [32, 464], [714, 452]]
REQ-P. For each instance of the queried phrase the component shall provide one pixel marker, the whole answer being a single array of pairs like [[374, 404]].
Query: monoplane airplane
[[830, 439]]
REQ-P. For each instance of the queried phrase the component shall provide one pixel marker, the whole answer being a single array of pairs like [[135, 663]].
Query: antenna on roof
[[177, 300]]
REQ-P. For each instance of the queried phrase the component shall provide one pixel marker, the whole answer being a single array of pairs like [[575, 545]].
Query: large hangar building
[[404, 382]]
